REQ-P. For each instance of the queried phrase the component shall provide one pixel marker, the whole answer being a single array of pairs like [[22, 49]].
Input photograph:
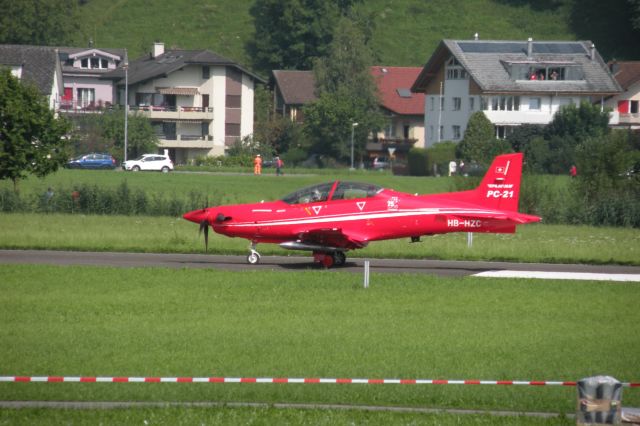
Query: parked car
[[157, 162], [380, 163], [92, 161]]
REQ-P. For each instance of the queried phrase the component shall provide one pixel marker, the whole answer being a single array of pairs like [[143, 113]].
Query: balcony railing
[[185, 141], [79, 106], [629, 118], [174, 112]]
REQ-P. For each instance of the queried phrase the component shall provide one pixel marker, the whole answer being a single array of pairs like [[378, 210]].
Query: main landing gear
[[329, 259]]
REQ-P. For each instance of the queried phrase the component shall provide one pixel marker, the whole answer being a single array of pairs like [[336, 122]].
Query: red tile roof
[[625, 72], [297, 88], [394, 84]]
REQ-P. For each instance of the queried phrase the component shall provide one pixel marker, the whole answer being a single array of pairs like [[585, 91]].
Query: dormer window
[[544, 71], [94, 63], [455, 71]]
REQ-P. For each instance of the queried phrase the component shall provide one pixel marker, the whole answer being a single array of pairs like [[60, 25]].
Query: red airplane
[[332, 218]]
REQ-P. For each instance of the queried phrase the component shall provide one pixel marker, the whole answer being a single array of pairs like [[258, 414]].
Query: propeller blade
[[204, 226]]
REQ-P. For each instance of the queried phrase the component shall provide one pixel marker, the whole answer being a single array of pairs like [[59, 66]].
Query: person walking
[[257, 165], [279, 164], [573, 171]]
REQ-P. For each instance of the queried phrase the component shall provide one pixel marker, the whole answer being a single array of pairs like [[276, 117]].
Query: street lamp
[[126, 101], [353, 128]]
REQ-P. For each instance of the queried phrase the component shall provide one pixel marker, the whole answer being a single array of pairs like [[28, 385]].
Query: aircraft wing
[[332, 237]]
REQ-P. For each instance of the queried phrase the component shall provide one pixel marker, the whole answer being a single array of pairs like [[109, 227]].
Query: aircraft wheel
[[253, 258], [339, 258], [328, 261]]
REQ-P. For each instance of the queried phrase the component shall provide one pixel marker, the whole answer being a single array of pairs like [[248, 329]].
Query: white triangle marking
[[361, 204], [317, 209]]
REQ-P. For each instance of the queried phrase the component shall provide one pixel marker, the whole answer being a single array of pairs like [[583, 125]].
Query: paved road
[[287, 263]]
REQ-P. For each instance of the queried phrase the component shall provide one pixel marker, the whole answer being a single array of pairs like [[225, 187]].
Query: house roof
[[296, 87], [626, 73], [394, 84], [69, 53], [38, 64], [148, 68], [485, 62]]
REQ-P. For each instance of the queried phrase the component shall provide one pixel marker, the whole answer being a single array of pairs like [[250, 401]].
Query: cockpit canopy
[[332, 191]]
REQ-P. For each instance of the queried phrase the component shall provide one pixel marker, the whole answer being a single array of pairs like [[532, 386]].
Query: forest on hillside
[[401, 32]]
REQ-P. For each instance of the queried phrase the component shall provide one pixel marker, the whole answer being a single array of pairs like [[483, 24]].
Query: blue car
[[92, 161]]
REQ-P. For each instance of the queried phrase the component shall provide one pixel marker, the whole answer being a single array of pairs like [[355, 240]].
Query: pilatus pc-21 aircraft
[[332, 218]]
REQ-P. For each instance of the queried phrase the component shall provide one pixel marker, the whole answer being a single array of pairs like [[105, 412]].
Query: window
[[634, 107], [104, 63], [433, 102], [441, 134], [501, 103], [484, 103], [431, 133], [456, 132], [502, 132], [95, 62], [457, 104], [534, 104], [206, 73], [84, 63], [85, 97], [455, 71], [472, 102], [441, 103]]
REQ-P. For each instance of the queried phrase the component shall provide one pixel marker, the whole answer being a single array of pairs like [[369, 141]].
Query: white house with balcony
[[198, 102], [88, 82], [626, 105], [512, 82]]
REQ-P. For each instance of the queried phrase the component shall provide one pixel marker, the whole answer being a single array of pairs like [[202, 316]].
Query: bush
[[417, 161], [439, 156]]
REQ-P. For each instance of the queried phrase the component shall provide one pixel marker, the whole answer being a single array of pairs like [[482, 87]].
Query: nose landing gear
[[253, 257]]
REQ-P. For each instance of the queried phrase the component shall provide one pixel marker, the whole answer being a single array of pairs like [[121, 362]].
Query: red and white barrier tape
[[67, 379]]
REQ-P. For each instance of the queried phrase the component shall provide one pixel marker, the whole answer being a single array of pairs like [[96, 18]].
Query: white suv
[[156, 162]]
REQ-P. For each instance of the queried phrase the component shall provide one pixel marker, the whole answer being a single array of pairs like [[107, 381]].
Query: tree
[[38, 22], [31, 137], [291, 34], [141, 138], [479, 143], [570, 126], [347, 94]]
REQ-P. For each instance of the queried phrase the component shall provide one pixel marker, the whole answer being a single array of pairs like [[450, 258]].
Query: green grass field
[[160, 322], [531, 243]]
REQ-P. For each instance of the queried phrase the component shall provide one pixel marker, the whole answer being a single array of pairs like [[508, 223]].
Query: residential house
[[625, 105], [404, 109], [293, 90], [198, 102], [38, 65], [88, 84], [512, 82]]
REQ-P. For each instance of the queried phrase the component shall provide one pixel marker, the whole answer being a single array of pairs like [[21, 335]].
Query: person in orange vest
[[257, 165]]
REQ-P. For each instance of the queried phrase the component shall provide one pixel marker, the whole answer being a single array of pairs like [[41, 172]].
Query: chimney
[[158, 49], [529, 48], [593, 51]]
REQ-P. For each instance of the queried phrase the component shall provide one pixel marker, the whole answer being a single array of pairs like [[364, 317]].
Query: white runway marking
[[560, 275]]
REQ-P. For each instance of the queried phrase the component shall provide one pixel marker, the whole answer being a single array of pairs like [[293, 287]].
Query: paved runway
[[288, 263]]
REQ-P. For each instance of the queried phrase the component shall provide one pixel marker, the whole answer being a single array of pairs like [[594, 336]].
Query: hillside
[[406, 31]]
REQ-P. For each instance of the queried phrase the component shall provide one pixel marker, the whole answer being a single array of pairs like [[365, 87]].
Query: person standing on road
[[257, 165]]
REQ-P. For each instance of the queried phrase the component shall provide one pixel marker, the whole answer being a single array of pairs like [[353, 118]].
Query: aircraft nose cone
[[196, 216]]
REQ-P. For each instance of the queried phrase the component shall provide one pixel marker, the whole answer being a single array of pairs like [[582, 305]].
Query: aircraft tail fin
[[500, 186]]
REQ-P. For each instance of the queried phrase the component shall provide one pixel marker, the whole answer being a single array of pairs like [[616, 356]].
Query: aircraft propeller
[[204, 226]]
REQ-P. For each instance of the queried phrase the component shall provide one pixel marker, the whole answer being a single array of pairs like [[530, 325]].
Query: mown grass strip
[[531, 243], [88, 321]]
